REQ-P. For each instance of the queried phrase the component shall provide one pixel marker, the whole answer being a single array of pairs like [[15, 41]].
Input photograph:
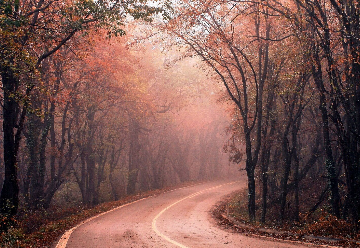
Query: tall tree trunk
[[266, 148], [250, 171], [32, 140], [114, 160], [133, 156], [296, 182], [284, 182], [265, 160], [330, 164], [9, 199]]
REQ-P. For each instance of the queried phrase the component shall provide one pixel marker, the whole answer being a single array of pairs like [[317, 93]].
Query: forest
[[103, 99]]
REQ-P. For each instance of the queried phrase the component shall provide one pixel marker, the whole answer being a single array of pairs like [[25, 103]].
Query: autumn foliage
[[87, 119], [291, 70]]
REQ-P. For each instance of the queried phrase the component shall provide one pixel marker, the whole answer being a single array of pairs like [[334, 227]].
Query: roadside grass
[[43, 228], [319, 228]]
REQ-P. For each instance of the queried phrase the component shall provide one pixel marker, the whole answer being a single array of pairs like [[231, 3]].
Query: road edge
[[223, 220]]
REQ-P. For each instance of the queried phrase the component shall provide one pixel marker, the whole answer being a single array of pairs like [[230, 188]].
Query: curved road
[[178, 218]]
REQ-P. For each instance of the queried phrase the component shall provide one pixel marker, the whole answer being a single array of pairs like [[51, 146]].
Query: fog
[[132, 122]]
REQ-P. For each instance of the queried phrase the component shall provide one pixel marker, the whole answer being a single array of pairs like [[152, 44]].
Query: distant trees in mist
[[95, 119]]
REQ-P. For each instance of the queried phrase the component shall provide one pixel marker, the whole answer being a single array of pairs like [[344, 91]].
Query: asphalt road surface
[[178, 218]]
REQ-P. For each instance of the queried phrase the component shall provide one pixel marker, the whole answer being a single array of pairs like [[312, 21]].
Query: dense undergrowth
[[320, 227], [43, 228]]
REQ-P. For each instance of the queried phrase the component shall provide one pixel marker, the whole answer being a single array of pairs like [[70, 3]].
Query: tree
[[30, 33], [328, 30], [241, 68]]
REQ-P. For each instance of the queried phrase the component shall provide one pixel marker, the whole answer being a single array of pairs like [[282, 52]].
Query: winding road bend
[[178, 218]]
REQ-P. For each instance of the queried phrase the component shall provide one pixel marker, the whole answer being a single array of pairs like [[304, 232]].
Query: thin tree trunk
[[250, 171], [264, 175]]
